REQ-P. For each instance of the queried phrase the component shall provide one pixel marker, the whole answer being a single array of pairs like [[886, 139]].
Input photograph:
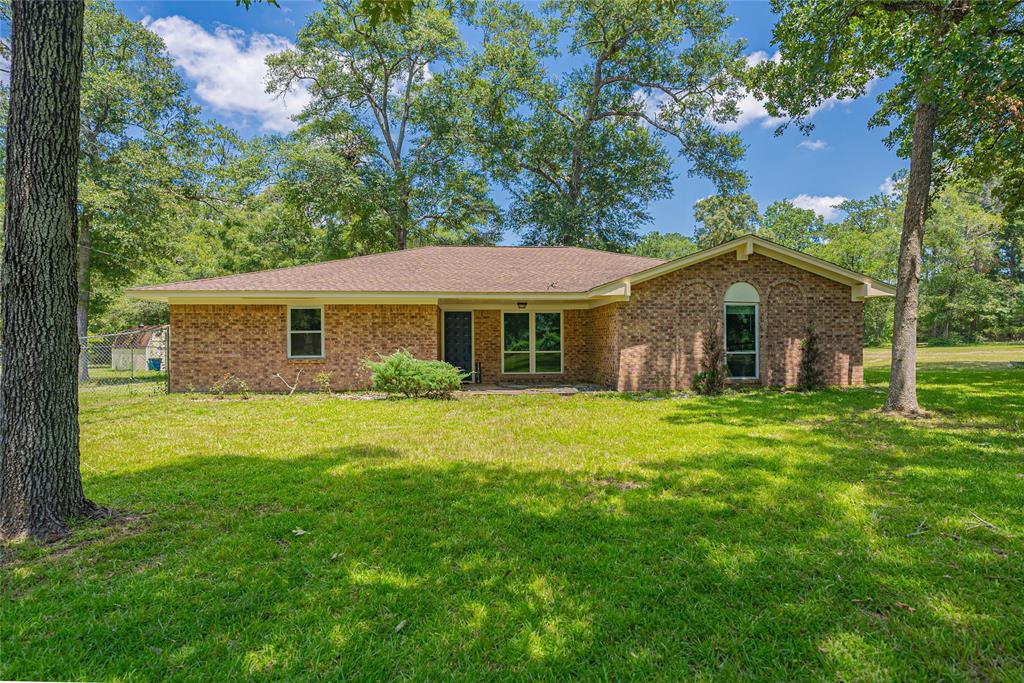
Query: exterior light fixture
[[521, 304]]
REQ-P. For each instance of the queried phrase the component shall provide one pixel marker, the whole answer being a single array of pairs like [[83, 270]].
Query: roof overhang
[[861, 286], [480, 299]]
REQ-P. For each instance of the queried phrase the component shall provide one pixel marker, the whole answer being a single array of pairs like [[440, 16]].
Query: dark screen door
[[458, 339]]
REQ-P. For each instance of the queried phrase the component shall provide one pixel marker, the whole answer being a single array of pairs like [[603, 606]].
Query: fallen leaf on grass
[[401, 625], [903, 605], [299, 531]]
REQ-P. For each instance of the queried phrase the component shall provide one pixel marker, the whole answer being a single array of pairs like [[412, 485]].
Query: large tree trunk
[[82, 314], [903, 376], [40, 483]]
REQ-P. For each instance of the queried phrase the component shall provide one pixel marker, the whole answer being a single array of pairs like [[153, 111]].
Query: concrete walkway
[[517, 389]]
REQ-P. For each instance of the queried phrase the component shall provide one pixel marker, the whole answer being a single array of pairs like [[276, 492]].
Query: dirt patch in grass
[[620, 484], [86, 532]]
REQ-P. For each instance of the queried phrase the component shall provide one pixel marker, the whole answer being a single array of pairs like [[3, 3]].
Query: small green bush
[[323, 383], [402, 373], [230, 385]]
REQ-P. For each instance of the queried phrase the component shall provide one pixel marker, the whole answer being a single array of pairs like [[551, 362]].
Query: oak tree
[[955, 73], [721, 218], [583, 151], [377, 142], [139, 160], [40, 482]]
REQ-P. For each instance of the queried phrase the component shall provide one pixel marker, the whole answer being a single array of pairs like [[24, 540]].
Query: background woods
[[410, 137]]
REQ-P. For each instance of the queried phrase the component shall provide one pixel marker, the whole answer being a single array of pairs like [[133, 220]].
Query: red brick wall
[[603, 343], [661, 327], [250, 342], [653, 341]]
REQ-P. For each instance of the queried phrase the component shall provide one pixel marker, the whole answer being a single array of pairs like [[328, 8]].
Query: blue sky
[[219, 48]]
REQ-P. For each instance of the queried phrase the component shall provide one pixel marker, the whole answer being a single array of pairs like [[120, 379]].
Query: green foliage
[[230, 385], [323, 383], [971, 282], [379, 153], [867, 240], [140, 158], [723, 217], [664, 245], [967, 59], [790, 226], [810, 376], [585, 152], [964, 294], [402, 373]]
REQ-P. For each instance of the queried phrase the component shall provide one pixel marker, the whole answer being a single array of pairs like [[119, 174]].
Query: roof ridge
[[421, 247], [295, 267]]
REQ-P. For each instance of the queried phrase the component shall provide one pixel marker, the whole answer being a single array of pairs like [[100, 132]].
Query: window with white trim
[[741, 331], [531, 343], [306, 332]]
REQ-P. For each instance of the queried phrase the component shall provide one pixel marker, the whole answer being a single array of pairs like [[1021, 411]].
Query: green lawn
[[763, 535]]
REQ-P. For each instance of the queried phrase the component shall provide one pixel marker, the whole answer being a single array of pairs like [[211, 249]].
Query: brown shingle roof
[[439, 269]]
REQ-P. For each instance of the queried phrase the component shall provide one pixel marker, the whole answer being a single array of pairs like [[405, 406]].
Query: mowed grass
[[762, 535]]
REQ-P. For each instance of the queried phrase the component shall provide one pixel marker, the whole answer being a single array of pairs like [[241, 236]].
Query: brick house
[[522, 314]]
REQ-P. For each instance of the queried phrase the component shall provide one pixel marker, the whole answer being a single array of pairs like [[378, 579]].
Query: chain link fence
[[138, 356]]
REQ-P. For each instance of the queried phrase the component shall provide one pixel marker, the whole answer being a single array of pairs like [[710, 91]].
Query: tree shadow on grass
[[360, 562]]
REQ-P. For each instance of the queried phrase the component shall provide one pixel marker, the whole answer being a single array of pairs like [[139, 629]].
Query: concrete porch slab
[[509, 389]]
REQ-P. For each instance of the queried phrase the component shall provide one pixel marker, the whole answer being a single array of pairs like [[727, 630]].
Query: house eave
[[267, 297]]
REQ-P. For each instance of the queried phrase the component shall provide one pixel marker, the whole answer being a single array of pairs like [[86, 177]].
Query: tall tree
[[40, 482], [961, 291], [583, 152], [956, 69], [139, 147], [664, 245], [379, 129], [721, 218], [791, 226], [867, 240]]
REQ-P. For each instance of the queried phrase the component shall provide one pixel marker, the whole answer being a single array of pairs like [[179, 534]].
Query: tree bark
[[903, 376], [40, 482], [82, 314]]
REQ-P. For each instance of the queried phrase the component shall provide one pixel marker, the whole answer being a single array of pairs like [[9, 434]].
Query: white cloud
[[888, 187], [813, 145], [823, 206], [229, 69], [752, 110]]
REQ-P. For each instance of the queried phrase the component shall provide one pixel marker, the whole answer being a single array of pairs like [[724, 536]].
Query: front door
[[458, 339]]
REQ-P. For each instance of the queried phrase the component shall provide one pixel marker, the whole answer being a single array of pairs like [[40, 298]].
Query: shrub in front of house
[[402, 373], [710, 381], [811, 376]]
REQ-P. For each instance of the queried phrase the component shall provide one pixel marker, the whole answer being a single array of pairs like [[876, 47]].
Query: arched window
[[741, 331]]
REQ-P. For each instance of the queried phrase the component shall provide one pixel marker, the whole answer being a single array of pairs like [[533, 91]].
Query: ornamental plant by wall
[[403, 374]]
